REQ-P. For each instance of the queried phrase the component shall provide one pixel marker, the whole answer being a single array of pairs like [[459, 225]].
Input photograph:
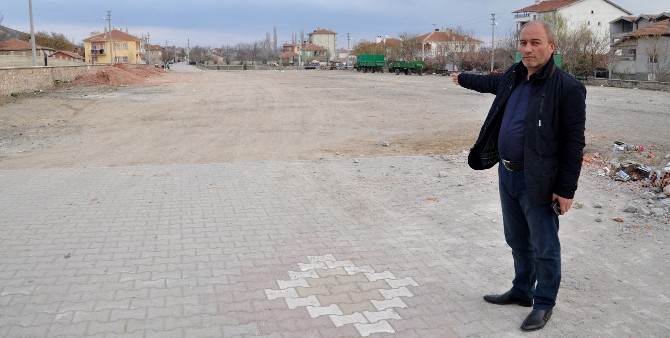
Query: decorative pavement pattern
[[348, 294]]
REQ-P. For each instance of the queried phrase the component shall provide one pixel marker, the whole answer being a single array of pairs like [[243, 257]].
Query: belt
[[512, 165]]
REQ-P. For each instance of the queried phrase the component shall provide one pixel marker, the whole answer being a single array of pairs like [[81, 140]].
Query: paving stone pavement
[[379, 247]]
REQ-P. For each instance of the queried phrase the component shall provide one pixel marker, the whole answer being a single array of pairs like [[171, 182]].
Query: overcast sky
[[228, 22]]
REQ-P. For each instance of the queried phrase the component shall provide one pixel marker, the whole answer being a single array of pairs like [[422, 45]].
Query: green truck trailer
[[370, 63], [406, 67]]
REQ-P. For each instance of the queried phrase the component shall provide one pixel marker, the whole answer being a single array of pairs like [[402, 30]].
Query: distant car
[[272, 64]]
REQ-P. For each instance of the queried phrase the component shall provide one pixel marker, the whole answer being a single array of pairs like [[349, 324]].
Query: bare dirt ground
[[191, 116]]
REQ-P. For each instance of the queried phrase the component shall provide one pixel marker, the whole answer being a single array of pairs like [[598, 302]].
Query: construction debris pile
[[655, 182], [118, 74]]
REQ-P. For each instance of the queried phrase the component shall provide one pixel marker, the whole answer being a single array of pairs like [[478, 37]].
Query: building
[[127, 48], [445, 41], [289, 54], [68, 56], [326, 39], [310, 53], [22, 48], [641, 53], [623, 26], [595, 14], [154, 54]]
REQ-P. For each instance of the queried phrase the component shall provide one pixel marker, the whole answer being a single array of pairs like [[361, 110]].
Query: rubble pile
[[655, 199], [118, 74]]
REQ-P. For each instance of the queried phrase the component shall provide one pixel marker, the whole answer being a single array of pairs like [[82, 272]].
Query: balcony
[[97, 52]]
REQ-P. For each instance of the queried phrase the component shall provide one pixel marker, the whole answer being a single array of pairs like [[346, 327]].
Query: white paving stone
[[337, 264], [312, 266], [318, 311], [396, 283], [352, 270], [387, 304], [394, 293], [374, 317], [297, 302], [356, 317], [379, 327], [303, 274], [286, 293], [375, 276], [285, 284]]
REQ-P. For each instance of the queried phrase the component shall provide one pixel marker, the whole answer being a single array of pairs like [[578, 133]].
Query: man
[[535, 130]]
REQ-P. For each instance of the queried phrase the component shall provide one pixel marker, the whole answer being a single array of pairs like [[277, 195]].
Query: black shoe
[[508, 298], [536, 320]]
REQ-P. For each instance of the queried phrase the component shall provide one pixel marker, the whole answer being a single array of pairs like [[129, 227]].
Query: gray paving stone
[[201, 257]]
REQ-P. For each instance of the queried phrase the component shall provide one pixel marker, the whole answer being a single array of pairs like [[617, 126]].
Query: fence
[[29, 79], [13, 61]]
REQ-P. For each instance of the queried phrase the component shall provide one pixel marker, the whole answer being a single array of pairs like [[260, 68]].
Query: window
[[598, 24], [125, 46], [116, 46], [94, 47], [125, 59], [653, 58], [591, 11]]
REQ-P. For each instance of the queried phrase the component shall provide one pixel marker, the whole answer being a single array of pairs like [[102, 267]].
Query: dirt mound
[[118, 74]]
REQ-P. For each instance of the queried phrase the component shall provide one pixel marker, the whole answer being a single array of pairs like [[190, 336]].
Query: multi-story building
[[326, 39], [126, 48], [641, 47], [595, 14], [445, 41]]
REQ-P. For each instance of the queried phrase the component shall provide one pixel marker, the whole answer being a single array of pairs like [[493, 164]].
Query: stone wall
[[649, 85], [30, 79]]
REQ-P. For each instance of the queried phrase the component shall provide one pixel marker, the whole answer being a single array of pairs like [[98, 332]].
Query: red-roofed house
[[324, 38], [65, 55], [20, 47], [596, 14], [440, 42], [289, 54], [127, 48], [644, 53]]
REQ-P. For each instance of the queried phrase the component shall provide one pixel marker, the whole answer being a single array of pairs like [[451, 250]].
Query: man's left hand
[[564, 203]]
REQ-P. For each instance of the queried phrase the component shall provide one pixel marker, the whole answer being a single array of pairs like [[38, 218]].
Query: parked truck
[[370, 63], [407, 67]]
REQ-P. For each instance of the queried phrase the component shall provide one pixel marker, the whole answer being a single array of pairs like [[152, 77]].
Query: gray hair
[[548, 27]]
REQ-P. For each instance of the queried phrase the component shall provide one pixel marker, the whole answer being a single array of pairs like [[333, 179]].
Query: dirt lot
[[190, 116]]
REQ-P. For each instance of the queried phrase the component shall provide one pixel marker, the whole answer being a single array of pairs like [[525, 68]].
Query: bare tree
[[54, 40], [410, 47], [658, 55], [275, 46], [365, 47]]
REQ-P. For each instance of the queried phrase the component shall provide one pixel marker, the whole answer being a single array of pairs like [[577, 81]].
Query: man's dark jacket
[[554, 128]]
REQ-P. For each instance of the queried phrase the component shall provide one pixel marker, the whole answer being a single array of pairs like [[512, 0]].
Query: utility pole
[[111, 46], [32, 33], [167, 54], [148, 48], [493, 39], [188, 51]]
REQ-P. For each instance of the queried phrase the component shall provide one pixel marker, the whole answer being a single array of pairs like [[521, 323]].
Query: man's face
[[535, 47]]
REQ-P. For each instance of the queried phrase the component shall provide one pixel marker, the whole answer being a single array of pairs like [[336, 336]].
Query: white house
[[446, 41], [595, 14]]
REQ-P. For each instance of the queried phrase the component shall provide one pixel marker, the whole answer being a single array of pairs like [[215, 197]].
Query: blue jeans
[[531, 230]]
